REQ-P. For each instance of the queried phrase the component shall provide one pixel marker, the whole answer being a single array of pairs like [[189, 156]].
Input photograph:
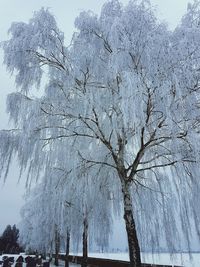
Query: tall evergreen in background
[[9, 240]]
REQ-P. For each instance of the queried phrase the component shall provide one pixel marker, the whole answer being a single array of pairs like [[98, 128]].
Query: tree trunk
[[133, 244], [57, 247], [85, 243], [67, 250]]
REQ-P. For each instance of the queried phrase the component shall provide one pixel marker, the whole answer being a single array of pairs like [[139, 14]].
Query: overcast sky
[[65, 12]]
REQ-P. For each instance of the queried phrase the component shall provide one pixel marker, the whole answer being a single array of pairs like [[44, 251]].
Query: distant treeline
[[9, 240]]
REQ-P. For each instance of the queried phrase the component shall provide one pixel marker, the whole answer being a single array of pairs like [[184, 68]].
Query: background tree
[[59, 206], [9, 240], [40, 218]]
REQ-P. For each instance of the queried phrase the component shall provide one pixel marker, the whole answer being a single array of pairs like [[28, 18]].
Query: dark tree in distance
[[9, 240]]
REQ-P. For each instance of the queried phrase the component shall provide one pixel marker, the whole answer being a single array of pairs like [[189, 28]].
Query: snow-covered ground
[[183, 259], [178, 259]]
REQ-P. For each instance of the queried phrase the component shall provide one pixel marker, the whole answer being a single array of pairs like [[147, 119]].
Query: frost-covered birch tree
[[64, 207], [125, 92], [41, 218]]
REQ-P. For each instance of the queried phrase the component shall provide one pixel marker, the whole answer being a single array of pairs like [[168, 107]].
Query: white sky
[[65, 12]]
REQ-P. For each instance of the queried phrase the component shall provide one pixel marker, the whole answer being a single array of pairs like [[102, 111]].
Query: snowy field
[[184, 259], [179, 259]]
